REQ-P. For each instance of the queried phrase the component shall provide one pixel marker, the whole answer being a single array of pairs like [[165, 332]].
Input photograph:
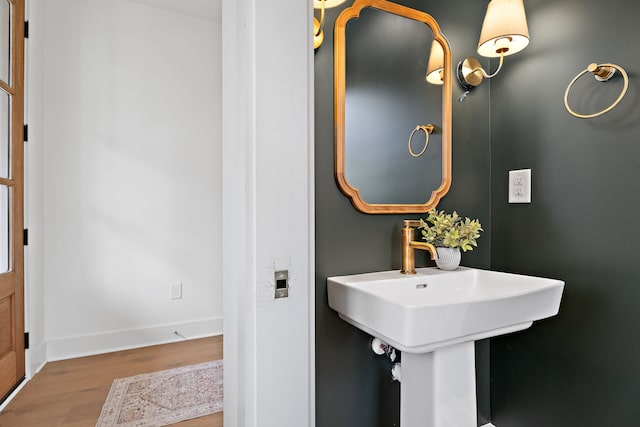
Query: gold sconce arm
[[318, 25], [470, 73]]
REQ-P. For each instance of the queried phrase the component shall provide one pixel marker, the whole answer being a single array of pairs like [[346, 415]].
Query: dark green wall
[[354, 387], [579, 368]]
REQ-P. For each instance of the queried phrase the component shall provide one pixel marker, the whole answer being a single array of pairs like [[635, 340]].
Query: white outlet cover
[[176, 290], [520, 186]]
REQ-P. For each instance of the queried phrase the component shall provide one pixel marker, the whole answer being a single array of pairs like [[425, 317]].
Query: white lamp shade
[[317, 4], [504, 29], [435, 68]]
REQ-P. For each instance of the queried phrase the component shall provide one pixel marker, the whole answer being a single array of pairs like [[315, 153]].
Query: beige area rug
[[164, 397]]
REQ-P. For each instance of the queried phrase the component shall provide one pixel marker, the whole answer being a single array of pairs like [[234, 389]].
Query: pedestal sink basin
[[434, 317]]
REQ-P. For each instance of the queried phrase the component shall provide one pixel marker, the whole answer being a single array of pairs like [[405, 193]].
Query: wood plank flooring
[[70, 393]]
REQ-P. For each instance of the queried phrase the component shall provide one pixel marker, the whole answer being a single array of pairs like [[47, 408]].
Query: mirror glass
[[382, 54]]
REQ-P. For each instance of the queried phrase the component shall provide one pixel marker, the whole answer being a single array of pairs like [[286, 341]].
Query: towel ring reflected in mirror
[[427, 129]]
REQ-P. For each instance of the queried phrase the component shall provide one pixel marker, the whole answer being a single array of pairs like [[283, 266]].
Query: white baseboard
[[35, 359], [13, 394], [107, 342]]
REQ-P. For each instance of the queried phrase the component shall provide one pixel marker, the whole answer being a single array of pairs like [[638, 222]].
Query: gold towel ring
[[427, 129], [602, 73]]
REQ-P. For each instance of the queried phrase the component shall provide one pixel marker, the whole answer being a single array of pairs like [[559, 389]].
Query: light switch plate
[[520, 186]]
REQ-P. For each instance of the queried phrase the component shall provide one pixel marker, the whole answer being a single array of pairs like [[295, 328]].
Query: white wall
[[268, 212], [132, 172], [108, 211]]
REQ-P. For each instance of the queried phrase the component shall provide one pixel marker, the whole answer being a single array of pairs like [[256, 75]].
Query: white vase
[[448, 258]]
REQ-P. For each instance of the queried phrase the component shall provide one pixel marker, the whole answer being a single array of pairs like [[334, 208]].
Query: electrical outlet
[[520, 186], [176, 290]]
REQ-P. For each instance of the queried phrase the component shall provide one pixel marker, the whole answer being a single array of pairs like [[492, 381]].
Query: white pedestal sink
[[434, 317]]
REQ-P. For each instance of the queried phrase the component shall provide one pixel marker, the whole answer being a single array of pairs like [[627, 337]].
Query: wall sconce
[[435, 67], [318, 25], [504, 32]]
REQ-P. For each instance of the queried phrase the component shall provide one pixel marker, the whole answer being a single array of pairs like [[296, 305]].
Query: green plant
[[450, 230]]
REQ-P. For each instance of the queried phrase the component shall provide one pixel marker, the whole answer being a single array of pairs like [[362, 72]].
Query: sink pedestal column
[[438, 389]]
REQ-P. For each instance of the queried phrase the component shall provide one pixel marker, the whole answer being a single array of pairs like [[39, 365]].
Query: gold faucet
[[409, 245]]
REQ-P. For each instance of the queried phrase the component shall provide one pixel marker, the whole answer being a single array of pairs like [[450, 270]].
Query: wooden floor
[[70, 393]]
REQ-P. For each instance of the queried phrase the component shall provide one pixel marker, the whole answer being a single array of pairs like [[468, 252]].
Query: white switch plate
[[520, 186]]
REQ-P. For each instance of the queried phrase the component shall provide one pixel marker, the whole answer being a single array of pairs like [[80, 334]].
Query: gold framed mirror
[[384, 109]]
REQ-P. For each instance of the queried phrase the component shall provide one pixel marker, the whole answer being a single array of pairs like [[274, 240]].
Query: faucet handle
[[411, 223]]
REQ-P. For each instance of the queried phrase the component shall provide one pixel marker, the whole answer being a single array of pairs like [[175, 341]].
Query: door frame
[[15, 275]]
